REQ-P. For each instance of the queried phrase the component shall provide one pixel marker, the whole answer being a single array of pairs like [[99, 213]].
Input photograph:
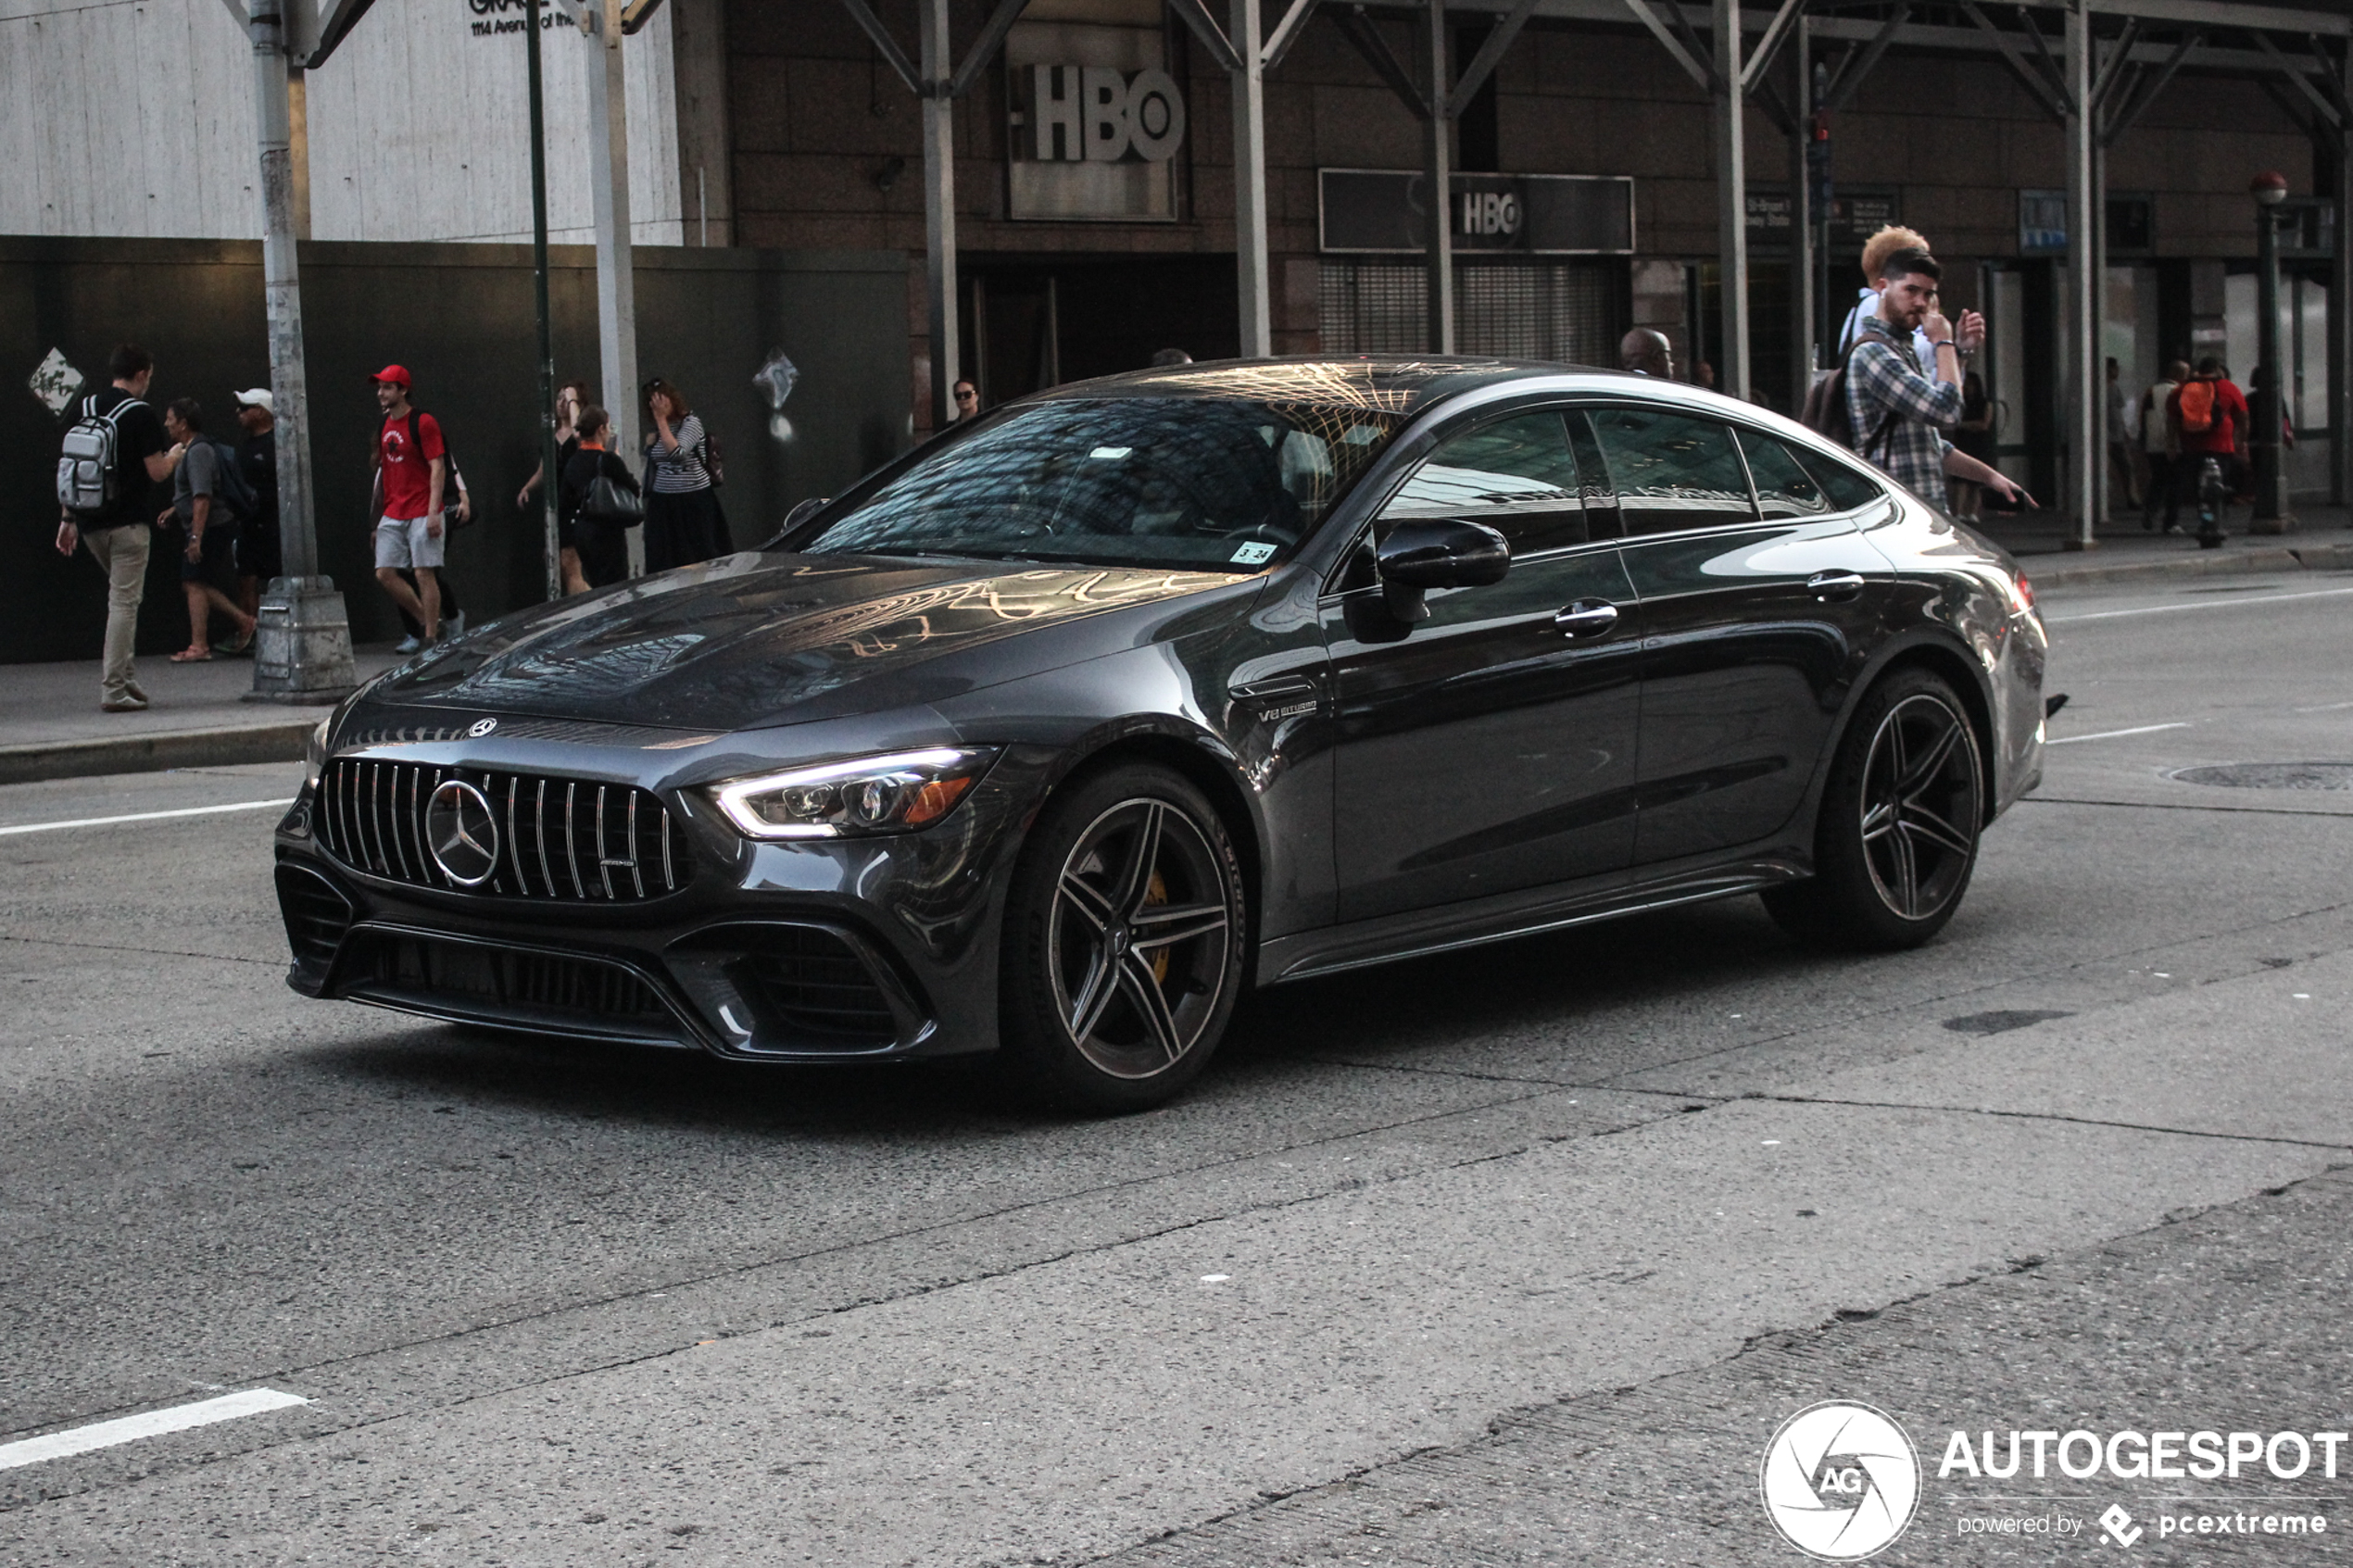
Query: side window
[[1783, 487], [1847, 487], [1673, 471], [1516, 476]]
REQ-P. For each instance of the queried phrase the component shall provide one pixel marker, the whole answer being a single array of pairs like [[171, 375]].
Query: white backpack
[[87, 468]]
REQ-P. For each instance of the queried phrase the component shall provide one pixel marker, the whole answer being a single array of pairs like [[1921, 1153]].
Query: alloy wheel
[[1920, 807], [1139, 938]]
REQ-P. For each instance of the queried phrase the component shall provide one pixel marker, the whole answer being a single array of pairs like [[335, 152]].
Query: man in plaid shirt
[[1898, 411]]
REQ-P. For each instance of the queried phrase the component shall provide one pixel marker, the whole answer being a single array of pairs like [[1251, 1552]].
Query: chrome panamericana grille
[[567, 839]]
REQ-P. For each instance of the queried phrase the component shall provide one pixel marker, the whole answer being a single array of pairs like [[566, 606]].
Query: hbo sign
[[1097, 114]]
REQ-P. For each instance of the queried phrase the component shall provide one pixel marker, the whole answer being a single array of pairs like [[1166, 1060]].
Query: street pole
[[1249, 180], [2084, 384], [549, 478], [1824, 198], [302, 649], [935, 67], [1732, 205], [616, 268], [2263, 443], [1801, 217], [1438, 176]]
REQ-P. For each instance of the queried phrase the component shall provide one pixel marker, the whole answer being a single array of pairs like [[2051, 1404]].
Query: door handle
[[1586, 617], [1834, 586]]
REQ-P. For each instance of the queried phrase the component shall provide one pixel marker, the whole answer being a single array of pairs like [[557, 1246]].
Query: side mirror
[[1441, 553]]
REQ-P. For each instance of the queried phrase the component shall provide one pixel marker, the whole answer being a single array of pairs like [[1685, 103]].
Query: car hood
[[753, 639]]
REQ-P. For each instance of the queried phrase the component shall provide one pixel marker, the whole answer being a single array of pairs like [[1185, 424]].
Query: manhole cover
[[2269, 775]]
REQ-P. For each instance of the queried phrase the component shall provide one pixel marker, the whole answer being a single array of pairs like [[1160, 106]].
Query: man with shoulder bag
[[114, 457]]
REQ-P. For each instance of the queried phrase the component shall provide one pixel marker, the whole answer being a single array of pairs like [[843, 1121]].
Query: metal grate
[[315, 916], [1559, 310], [821, 987], [504, 981], [565, 839]]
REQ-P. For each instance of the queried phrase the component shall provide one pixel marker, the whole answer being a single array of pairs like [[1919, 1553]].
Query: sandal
[[192, 656], [239, 642]]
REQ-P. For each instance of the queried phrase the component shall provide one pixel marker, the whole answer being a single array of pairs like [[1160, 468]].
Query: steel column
[[1439, 181], [934, 65], [551, 544], [1801, 216], [1731, 204], [608, 197], [302, 647], [2340, 329], [1249, 181], [2080, 381]]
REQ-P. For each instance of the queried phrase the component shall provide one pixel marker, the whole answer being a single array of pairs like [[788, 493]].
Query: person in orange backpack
[[2208, 417]]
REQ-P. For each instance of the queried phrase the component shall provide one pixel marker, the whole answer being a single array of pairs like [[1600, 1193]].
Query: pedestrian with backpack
[[412, 469], [1897, 411], [209, 499], [115, 454], [2210, 422]]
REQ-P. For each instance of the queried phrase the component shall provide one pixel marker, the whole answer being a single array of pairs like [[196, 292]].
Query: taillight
[[2021, 591]]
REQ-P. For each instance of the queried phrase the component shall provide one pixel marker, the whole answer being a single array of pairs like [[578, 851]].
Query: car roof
[[1395, 383]]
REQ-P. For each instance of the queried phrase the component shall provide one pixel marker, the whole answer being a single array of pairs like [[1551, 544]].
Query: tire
[[1124, 941], [1896, 840]]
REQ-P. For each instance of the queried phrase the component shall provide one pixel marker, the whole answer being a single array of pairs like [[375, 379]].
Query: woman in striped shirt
[[682, 522]]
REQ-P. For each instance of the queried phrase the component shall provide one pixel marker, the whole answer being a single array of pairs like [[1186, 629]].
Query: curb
[[153, 753], [2048, 573]]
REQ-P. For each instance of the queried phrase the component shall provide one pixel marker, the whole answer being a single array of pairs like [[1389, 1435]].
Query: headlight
[[314, 755], [901, 793]]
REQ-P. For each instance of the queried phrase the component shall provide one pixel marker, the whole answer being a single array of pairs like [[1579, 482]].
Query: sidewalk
[[2322, 541], [51, 726]]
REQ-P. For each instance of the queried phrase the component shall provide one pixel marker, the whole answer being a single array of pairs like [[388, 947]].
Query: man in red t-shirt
[[2208, 418], [411, 468]]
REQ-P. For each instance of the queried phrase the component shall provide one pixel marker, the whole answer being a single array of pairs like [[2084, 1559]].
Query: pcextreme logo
[[1841, 1481]]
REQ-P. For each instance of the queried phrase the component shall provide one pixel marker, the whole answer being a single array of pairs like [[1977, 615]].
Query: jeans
[[121, 554]]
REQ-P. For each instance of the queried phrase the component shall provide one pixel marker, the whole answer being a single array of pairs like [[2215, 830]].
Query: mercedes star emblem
[[482, 727], [462, 832]]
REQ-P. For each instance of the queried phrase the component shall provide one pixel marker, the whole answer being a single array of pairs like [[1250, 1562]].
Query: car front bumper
[[821, 951]]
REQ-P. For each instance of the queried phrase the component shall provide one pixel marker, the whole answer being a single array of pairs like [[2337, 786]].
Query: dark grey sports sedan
[[1053, 736]]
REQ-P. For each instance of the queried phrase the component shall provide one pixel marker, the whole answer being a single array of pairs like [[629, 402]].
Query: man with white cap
[[258, 555]]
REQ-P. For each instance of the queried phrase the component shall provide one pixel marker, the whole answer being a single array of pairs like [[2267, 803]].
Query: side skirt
[[1420, 933]]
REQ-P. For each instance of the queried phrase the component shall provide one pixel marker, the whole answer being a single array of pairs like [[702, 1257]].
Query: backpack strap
[[1845, 367]]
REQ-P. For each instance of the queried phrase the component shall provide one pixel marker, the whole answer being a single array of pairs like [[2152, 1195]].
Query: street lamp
[[2268, 189]]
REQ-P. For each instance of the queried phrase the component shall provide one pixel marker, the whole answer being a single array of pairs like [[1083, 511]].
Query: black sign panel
[[1385, 212], [1857, 213]]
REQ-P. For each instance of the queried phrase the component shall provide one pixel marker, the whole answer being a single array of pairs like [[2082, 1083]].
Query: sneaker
[[454, 628], [137, 696], [128, 702], [409, 644]]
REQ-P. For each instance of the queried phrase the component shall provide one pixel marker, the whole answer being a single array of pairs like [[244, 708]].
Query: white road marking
[[2325, 708], [147, 816], [2111, 734], [153, 1423], [2210, 604]]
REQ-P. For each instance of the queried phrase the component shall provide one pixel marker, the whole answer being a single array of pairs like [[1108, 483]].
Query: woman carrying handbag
[[602, 496], [682, 522]]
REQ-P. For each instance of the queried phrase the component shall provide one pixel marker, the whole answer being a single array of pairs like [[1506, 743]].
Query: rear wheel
[[1896, 840], [1125, 939]]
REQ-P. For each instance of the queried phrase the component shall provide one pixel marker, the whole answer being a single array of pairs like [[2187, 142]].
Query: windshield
[[1175, 481]]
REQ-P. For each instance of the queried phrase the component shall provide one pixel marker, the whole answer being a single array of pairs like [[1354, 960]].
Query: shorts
[[403, 544], [218, 563], [258, 551]]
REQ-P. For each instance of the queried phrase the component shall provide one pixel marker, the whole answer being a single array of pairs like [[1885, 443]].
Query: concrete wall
[[136, 118]]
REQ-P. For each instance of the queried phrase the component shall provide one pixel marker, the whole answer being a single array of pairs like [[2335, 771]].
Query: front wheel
[[1125, 933], [1898, 836]]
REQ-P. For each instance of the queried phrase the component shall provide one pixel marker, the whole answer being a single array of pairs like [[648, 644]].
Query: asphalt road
[[1517, 1255]]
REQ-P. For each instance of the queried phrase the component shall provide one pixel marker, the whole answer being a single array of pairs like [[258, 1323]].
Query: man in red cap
[[412, 467]]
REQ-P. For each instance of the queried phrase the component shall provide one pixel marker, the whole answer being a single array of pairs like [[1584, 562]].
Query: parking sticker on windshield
[[1253, 552]]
